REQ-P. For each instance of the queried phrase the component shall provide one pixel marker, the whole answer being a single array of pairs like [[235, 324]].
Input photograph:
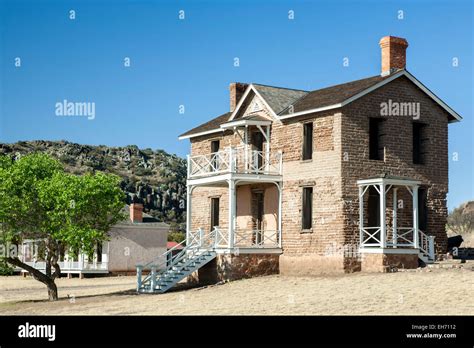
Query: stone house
[[341, 179]]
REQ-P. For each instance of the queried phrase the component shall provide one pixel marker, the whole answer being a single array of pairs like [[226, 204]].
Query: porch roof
[[247, 121], [388, 179]]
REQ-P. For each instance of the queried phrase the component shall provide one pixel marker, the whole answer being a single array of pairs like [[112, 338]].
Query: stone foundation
[[388, 262], [308, 265], [227, 267]]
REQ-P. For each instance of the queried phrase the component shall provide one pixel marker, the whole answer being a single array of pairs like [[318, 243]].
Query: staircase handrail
[[174, 260]]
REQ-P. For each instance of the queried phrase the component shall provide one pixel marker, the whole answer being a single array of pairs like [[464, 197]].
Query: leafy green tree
[[39, 201]]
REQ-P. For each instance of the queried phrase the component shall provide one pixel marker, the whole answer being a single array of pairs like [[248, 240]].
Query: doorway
[[257, 212], [257, 150]]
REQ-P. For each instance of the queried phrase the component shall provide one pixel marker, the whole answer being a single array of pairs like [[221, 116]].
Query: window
[[307, 141], [214, 212], [422, 209], [307, 211], [215, 144], [419, 143], [376, 149]]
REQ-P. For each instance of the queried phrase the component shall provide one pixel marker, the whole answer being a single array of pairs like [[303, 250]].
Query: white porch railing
[[257, 238], [71, 266], [403, 238], [235, 160]]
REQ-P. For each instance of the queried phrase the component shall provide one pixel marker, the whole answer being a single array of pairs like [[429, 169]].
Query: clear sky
[[190, 62]]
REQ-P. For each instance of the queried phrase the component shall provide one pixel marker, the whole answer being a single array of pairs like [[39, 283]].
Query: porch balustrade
[[239, 160]]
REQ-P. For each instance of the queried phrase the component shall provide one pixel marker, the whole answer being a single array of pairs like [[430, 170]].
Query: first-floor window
[[214, 212], [307, 211]]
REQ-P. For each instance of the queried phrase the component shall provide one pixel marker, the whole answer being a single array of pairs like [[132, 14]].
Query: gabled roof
[[332, 95], [211, 126], [287, 103], [279, 98]]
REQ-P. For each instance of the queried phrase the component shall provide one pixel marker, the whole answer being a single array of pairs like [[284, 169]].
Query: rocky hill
[[153, 177]]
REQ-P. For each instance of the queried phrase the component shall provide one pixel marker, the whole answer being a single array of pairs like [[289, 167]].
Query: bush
[[5, 268]]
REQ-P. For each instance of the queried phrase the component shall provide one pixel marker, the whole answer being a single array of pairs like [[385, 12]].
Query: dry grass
[[441, 292]]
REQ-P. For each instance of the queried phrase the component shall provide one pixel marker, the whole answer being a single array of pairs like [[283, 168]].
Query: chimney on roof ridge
[[236, 91], [136, 212], [393, 54]]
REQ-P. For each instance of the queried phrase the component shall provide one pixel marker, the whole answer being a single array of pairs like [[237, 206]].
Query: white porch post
[[246, 148], [280, 196], [232, 212], [394, 222], [383, 227], [416, 242], [188, 212], [267, 150], [361, 216]]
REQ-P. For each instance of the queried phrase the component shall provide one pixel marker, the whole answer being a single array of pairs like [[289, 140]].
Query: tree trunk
[[38, 275], [52, 291]]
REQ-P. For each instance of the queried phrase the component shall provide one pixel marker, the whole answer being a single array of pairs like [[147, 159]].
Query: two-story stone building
[[341, 179]]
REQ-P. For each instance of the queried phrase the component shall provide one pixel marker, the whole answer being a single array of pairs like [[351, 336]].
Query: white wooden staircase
[[176, 264], [426, 248]]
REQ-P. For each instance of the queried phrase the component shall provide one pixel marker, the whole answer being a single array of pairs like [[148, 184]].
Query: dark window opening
[[422, 209], [214, 212], [307, 211], [373, 209], [376, 149], [419, 143], [307, 141], [215, 144]]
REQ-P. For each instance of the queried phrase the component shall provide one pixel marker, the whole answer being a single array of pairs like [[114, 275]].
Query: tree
[[39, 201], [461, 219]]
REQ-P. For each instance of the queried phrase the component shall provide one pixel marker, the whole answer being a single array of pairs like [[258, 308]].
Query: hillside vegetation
[[153, 177]]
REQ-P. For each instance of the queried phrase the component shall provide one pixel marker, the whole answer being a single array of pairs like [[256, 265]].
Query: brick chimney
[[393, 54], [136, 212], [236, 90]]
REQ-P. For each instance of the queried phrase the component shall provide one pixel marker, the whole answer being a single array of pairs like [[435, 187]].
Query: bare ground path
[[440, 292]]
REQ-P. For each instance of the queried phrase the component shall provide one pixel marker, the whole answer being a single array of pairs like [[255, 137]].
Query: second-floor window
[[376, 149], [419, 143], [307, 208], [307, 141], [215, 144]]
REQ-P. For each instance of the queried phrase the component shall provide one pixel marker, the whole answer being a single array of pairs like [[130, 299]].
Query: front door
[[257, 201]]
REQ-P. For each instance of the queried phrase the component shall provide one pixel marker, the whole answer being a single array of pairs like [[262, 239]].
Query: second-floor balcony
[[238, 160]]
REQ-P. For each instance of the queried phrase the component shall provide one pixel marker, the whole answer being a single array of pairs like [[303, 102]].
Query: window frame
[[307, 149], [375, 141], [305, 227]]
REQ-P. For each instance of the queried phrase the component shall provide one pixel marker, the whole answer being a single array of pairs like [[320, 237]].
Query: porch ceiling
[[388, 180], [249, 121]]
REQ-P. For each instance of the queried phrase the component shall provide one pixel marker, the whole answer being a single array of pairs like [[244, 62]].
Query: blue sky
[[190, 62]]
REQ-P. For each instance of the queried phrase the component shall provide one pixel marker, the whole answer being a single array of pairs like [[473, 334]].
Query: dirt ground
[[439, 292]]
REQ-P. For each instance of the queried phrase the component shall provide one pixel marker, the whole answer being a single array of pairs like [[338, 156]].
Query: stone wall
[[227, 267], [388, 262], [398, 156]]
